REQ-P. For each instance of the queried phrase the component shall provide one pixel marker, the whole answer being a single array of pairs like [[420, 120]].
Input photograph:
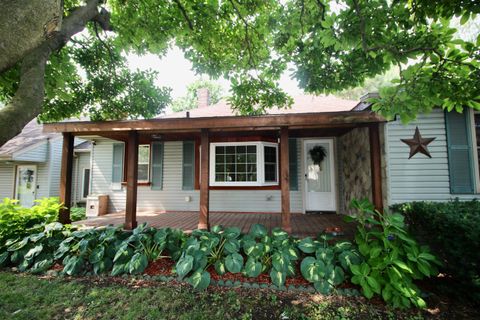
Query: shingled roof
[[301, 104], [31, 134]]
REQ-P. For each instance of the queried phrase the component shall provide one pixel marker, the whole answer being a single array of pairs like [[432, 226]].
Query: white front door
[[319, 176], [26, 185]]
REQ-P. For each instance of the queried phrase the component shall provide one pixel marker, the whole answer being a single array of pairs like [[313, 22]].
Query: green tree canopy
[[189, 101], [332, 46]]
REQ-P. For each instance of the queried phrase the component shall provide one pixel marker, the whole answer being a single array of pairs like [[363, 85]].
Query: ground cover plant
[[452, 230]]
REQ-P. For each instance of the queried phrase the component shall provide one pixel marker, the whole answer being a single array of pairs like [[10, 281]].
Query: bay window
[[243, 164]]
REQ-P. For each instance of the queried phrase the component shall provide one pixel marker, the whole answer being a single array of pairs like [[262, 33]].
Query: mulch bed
[[163, 267]]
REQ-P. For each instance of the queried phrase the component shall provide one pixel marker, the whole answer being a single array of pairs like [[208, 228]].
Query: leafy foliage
[[452, 230], [17, 221], [77, 214], [392, 259], [327, 46], [189, 101], [328, 267]]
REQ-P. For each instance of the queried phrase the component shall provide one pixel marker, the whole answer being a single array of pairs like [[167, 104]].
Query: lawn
[[30, 297]]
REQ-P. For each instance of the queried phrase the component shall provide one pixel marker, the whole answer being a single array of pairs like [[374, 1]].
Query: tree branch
[[184, 13], [27, 102]]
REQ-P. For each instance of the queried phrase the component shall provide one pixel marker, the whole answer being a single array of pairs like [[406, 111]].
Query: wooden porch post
[[376, 166], [285, 179], [66, 177], [203, 221], [132, 180]]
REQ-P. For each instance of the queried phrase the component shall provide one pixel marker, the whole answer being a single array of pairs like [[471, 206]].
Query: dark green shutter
[[293, 163], [117, 167], [157, 166], [188, 165], [460, 156]]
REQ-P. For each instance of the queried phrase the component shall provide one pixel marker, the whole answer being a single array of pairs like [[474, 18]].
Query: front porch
[[178, 180], [303, 225]]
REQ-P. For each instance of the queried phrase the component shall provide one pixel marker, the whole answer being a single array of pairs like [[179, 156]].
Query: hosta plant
[[327, 266], [35, 252], [274, 253], [392, 258]]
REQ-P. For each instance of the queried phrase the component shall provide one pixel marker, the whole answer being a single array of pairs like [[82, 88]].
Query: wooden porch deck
[[303, 225]]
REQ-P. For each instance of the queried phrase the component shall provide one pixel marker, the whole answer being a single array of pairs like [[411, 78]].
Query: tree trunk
[[24, 25], [28, 100]]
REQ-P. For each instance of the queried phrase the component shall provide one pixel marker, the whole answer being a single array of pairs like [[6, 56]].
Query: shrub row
[[452, 230]]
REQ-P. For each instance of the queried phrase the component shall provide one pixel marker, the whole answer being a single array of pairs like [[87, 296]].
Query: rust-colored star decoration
[[418, 144]]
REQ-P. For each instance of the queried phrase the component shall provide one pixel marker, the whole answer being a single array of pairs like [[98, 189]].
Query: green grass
[[30, 297]]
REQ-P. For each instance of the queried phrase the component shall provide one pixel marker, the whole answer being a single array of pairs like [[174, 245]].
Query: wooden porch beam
[[203, 221], [132, 181], [327, 119], [65, 191], [376, 166], [285, 180]]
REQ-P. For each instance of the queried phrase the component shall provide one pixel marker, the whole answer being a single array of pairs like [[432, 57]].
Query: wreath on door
[[318, 154]]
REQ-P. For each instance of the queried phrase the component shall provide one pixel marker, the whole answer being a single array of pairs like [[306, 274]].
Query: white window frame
[[83, 182], [475, 151], [260, 164], [148, 161]]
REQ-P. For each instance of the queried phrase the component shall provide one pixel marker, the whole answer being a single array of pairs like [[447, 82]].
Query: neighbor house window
[[143, 162], [243, 164]]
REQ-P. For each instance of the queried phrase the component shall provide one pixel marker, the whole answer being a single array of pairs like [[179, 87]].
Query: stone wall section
[[354, 167]]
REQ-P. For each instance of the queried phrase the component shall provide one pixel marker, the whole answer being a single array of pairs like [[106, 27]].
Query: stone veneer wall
[[354, 167]]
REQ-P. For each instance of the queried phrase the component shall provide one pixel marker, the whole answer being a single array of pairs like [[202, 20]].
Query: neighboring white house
[[30, 166]]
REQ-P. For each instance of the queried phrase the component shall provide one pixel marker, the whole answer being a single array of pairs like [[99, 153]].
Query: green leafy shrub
[[330, 265], [392, 258], [78, 214], [17, 221], [35, 252], [452, 230]]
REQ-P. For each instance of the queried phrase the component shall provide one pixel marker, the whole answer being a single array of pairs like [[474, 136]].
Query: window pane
[[143, 172], [241, 149], [270, 154], [86, 182], [219, 168], [252, 149], [143, 154], [238, 164], [477, 133], [242, 158], [220, 158], [270, 172], [270, 164]]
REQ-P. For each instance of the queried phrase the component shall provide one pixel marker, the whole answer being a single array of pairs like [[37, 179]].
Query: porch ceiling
[[236, 123]]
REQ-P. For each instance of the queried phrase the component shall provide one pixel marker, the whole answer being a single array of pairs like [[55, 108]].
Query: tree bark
[[24, 25], [28, 100]]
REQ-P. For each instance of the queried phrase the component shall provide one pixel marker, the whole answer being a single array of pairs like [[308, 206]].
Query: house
[[30, 166], [211, 160], [314, 157]]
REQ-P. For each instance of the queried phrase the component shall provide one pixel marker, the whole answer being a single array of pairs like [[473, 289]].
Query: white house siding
[[172, 197], [36, 153], [7, 176], [419, 178], [54, 162]]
